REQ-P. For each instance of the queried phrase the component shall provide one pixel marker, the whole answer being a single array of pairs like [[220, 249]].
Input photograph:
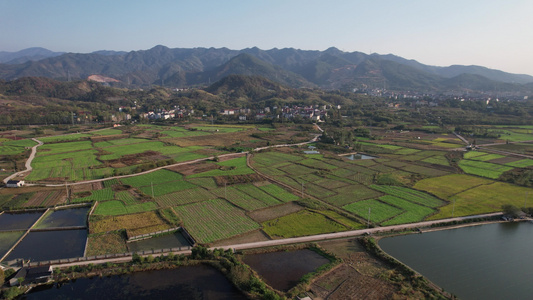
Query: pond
[[18, 221], [192, 282], [283, 270], [50, 245], [7, 240], [166, 241], [359, 156], [492, 261], [65, 218]]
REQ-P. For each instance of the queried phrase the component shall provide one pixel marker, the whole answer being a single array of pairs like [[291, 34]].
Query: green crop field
[[483, 169], [379, 211], [155, 177], [438, 160], [236, 166], [214, 220], [301, 223], [126, 197], [409, 194], [108, 131], [273, 158], [71, 166], [279, 193], [13, 147], [352, 193], [317, 164], [48, 149], [64, 138], [412, 212], [258, 194], [239, 198], [187, 196], [115, 207], [446, 186], [98, 195], [487, 157], [523, 163], [166, 188], [484, 198]]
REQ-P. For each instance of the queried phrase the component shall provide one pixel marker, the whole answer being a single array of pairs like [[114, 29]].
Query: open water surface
[[493, 261], [18, 221], [192, 282], [283, 270], [50, 245], [166, 241], [65, 218]]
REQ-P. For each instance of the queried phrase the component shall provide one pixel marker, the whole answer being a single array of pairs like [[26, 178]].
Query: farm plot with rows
[[236, 166], [135, 224], [412, 212], [213, 220], [485, 198], [483, 169], [301, 223], [65, 138], [377, 211], [166, 188], [187, 196], [410, 195], [98, 195], [155, 177], [48, 149], [115, 207], [66, 166]]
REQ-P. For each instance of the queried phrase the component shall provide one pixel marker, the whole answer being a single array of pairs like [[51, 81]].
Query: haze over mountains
[[329, 69]]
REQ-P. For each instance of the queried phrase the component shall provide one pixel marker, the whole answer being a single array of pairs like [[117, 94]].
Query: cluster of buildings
[[167, 114], [315, 113]]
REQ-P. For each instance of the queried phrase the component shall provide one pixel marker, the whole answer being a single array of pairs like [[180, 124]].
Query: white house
[[14, 183]]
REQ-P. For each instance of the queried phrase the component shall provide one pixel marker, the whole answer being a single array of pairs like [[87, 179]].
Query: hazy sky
[[494, 34]]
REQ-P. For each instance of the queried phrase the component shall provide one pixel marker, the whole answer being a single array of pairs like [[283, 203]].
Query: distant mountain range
[[329, 69]]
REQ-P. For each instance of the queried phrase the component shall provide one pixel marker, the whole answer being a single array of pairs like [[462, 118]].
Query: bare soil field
[[191, 169]]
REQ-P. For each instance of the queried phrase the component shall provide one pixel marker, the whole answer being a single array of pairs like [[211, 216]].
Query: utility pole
[[66, 188], [453, 209], [525, 200], [368, 221]]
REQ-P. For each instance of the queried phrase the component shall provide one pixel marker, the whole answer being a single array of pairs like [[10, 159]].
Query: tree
[[511, 210]]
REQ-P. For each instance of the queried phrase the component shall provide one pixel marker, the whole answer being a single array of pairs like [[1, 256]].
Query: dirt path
[[28, 162]]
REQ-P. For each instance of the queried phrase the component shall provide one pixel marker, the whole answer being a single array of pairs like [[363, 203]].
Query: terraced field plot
[[213, 220]]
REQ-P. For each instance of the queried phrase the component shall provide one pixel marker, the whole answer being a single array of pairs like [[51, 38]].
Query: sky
[[492, 33]]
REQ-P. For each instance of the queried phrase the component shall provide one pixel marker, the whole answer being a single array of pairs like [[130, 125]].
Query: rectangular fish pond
[[283, 270], [166, 241]]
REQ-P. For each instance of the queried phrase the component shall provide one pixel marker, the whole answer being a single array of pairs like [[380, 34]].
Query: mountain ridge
[[328, 69]]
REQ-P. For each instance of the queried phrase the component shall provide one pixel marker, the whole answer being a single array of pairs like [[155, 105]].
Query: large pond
[[50, 245], [492, 261], [195, 282], [166, 241], [7, 240], [18, 221], [283, 270], [65, 218]]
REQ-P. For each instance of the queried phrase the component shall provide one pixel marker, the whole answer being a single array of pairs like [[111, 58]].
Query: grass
[[107, 243], [214, 220], [115, 207], [301, 223], [379, 211]]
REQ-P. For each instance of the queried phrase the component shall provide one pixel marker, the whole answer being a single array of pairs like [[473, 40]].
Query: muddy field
[[270, 213]]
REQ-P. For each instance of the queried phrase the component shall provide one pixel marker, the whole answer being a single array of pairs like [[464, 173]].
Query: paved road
[[304, 239], [34, 149], [28, 162]]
